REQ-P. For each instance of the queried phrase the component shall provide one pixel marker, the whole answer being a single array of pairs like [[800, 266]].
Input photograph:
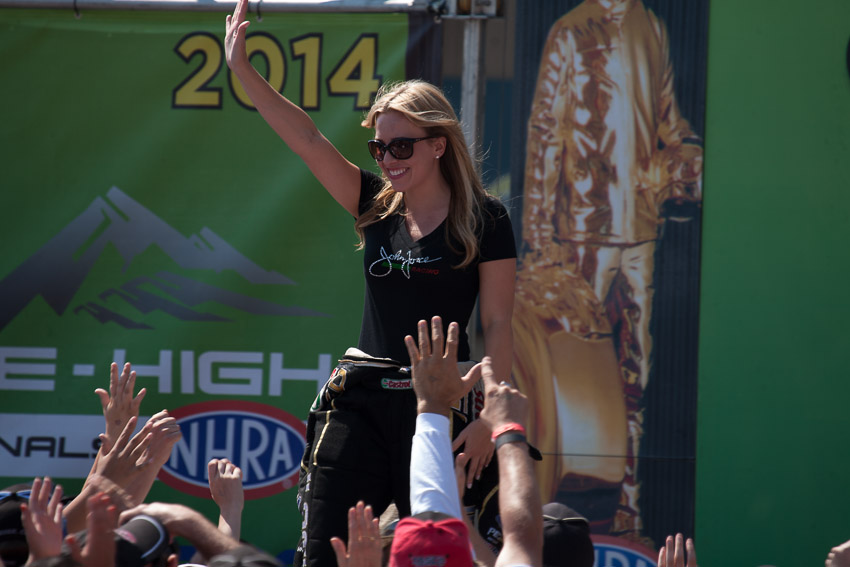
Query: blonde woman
[[433, 242]]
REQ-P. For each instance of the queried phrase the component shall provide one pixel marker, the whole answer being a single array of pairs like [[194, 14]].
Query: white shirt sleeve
[[432, 477]]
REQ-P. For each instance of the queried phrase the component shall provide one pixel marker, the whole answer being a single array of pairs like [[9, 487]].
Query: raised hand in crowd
[[127, 458], [503, 404], [437, 382], [364, 539], [42, 520], [227, 491], [436, 379], [672, 554], [118, 404], [506, 414], [101, 521], [164, 433], [839, 556], [123, 464]]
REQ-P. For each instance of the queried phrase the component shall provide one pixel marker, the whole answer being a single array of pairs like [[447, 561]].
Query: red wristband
[[505, 428]]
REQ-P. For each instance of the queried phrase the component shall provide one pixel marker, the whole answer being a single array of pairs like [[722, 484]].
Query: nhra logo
[[265, 442], [616, 552]]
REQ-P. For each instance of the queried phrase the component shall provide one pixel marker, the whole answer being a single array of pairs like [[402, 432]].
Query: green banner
[[150, 215]]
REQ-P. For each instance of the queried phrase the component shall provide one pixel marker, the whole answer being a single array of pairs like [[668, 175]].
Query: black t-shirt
[[408, 281]]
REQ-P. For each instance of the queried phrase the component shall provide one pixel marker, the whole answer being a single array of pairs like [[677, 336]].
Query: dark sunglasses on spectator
[[399, 148]]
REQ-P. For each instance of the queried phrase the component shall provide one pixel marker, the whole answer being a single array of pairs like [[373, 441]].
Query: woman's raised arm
[[338, 175]]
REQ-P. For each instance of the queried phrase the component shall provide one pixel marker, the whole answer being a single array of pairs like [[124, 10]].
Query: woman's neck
[[426, 210], [428, 201]]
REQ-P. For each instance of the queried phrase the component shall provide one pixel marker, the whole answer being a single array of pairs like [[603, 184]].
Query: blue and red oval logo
[[267, 443], [617, 552]]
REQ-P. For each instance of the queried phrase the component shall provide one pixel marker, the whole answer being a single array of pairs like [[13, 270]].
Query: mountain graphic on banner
[[59, 268]]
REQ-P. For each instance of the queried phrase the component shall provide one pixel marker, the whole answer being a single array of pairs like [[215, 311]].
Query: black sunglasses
[[399, 148]]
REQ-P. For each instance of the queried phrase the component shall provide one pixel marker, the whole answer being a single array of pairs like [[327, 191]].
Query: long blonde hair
[[425, 106]]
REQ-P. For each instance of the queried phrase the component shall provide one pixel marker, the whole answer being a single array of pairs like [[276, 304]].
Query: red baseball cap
[[431, 543]]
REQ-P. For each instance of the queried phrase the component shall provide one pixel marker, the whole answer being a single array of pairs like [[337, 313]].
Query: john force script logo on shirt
[[384, 265]]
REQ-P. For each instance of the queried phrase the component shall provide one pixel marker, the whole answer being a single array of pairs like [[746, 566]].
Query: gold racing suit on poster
[[606, 148]]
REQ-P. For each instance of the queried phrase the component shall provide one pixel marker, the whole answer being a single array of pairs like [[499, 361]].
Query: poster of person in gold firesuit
[[610, 163]]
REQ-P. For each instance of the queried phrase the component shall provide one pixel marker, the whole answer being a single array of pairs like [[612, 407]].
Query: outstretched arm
[[437, 384], [496, 303], [227, 491], [118, 405], [519, 507], [124, 464], [164, 434], [338, 175]]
